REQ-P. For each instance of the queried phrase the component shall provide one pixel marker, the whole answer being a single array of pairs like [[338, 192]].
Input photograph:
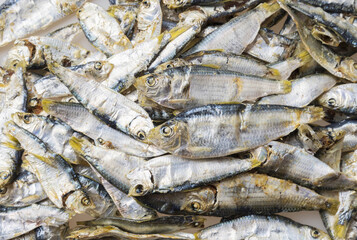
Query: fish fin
[[175, 101], [43, 159], [196, 237], [274, 73], [12, 145], [175, 32], [176, 112], [46, 104], [199, 149], [304, 57], [76, 144], [211, 66], [285, 86]]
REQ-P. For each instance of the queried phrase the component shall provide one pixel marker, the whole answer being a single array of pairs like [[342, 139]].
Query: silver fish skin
[[223, 129], [171, 173], [86, 171], [14, 100], [18, 221], [81, 120], [148, 21], [247, 193], [28, 52], [102, 30], [51, 87], [303, 91], [97, 232], [108, 105], [302, 168], [51, 233], [190, 86], [132, 61], [165, 224], [341, 98], [261, 227], [63, 191], [107, 162], [24, 191], [53, 132], [271, 47], [20, 18], [128, 207], [67, 32], [239, 32]]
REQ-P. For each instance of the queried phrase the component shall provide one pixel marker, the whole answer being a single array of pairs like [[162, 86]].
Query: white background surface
[[310, 218]]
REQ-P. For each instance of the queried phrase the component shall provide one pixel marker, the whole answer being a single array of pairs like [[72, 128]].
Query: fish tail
[[304, 57], [77, 145], [12, 145], [47, 104], [285, 86], [312, 114], [274, 73]]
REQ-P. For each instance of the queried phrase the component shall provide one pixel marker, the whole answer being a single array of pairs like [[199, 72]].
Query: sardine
[[171, 174], [259, 228], [125, 12], [241, 31], [107, 162], [102, 30], [345, 6], [105, 103], [166, 224], [243, 194], [67, 32], [81, 120], [184, 87], [220, 130]]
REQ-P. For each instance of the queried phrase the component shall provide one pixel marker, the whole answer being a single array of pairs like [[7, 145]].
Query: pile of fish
[[185, 109]]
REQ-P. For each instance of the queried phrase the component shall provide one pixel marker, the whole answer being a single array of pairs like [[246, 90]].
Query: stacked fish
[[187, 108]]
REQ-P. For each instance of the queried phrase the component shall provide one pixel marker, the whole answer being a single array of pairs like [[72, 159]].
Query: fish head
[[149, 12], [194, 221], [29, 121], [99, 69], [140, 127], [333, 99], [200, 201], [141, 182], [325, 36], [173, 63], [349, 67], [154, 86], [170, 136], [79, 202], [194, 16], [314, 234], [176, 3]]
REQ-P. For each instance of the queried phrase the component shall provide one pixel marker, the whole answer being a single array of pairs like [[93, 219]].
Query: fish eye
[[85, 201], [146, 4], [141, 135], [150, 81], [331, 102], [166, 131], [27, 118], [315, 233], [98, 66], [139, 189], [355, 65], [195, 206], [101, 141], [168, 66], [33, 102], [196, 224], [3, 190]]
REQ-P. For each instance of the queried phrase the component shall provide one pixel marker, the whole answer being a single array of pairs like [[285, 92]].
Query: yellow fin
[[12, 145], [285, 86], [46, 104], [76, 144], [304, 57], [44, 159], [274, 72], [211, 66], [313, 114], [332, 205], [175, 32]]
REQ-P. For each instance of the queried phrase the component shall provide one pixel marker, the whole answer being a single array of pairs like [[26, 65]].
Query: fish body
[[221, 130]]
